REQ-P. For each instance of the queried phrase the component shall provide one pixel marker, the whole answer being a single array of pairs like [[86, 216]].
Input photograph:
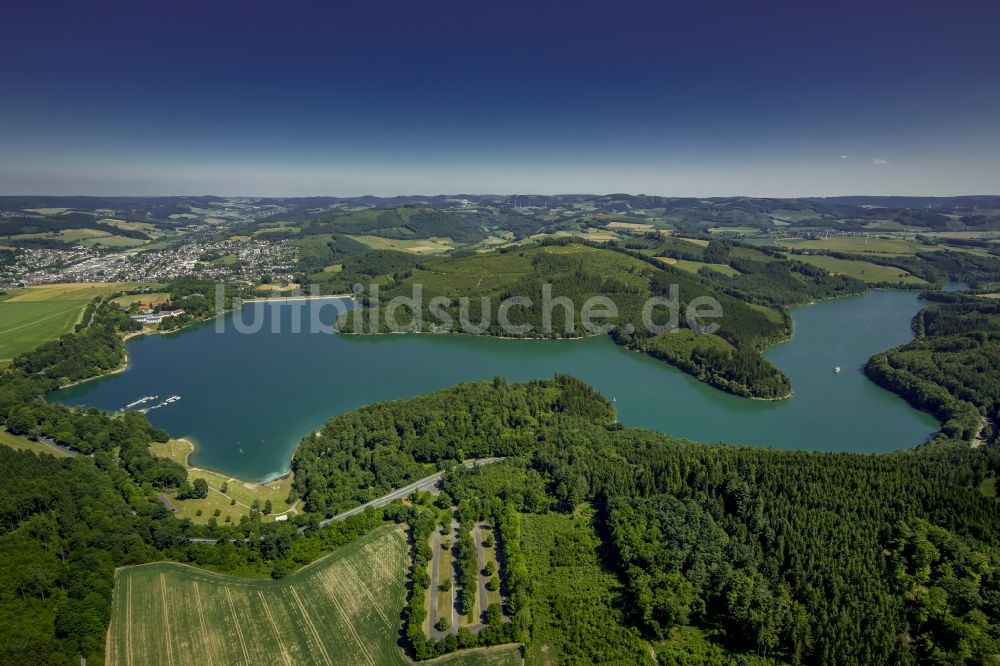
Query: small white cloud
[[843, 157], [879, 160]]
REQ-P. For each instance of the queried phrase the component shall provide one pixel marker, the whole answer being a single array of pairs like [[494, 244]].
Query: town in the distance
[[245, 491]]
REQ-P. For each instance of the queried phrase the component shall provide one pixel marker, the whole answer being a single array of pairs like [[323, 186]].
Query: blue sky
[[345, 98]]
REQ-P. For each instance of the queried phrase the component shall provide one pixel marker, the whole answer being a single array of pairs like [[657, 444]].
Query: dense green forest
[[355, 263], [797, 556], [408, 221], [952, 368]]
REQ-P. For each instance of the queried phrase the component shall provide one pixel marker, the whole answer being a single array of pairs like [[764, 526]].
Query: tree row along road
[[425, 483]]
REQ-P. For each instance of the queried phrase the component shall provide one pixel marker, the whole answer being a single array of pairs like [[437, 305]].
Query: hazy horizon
[[490, 194]]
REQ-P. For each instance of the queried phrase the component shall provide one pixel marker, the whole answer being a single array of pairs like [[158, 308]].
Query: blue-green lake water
[[248, 399]]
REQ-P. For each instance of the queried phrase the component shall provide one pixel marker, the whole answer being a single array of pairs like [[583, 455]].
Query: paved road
[[48, 441], [425, 483]]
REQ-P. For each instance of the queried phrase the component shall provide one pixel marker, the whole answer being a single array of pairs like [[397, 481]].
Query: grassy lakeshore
[[231, 497]]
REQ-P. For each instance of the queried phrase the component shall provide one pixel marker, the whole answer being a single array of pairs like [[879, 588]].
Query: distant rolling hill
[[399, 222]]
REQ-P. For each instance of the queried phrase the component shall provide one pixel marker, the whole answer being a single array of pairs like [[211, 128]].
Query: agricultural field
[[630, 226], [695, 266], [730, 231], [277, 289], [498, 239], [416, 246], [342, 609], [223, 490], [863, 270], [589, 233], [978, 251], [858, 244], [47, 211], [155, 297], [35, 315], [791, 215], [73, 236], [284, 229], [889, 225], [760, 242], [146, 228], [112, 241], [963, 235]]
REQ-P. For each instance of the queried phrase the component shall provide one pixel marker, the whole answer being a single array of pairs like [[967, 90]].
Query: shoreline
[[194, 445], [289, 299], [281, 475], [249, 486], [462, 334], [125, 338]]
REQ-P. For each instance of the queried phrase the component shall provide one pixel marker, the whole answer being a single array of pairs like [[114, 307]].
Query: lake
[[248, 399]]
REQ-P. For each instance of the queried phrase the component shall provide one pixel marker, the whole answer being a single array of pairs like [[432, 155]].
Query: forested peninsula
[[753, 300]]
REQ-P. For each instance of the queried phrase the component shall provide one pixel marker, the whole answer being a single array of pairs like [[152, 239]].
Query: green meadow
[[30, 317], [863, 270]]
